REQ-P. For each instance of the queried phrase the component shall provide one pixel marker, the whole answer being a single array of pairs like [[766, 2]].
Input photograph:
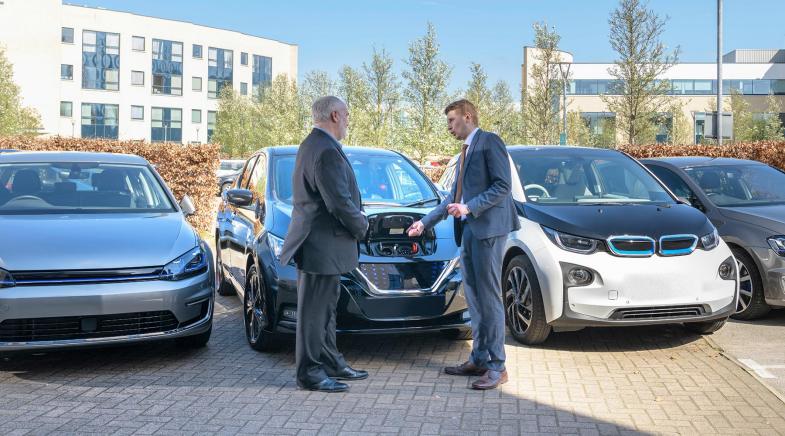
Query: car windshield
[[569, 178], [40, 188], [382, 180], [740, 185]]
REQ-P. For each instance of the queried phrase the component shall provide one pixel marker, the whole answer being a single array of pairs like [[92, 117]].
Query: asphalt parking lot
[[597, 381]]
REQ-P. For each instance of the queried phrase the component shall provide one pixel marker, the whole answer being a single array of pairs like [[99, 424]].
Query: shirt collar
[[470, 138], [328, 134]]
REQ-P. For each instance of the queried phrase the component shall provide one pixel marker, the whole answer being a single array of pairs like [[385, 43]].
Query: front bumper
[[190, 301], [772, 273], [359, 311]]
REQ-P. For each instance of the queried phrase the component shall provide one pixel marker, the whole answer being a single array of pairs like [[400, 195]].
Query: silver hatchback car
[[95, 250]]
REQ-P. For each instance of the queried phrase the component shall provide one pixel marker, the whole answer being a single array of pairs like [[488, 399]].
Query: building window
[[243, 58], [99, 120], [602, 127], [137, 112], [137, 43], [100, 60], [137, 78], [196, 116], [243, 88], [167, 67], [219, 70], [66, 108], [196, 51], [196, 84], [262, 73], [66, 72], [67, 35], [210, 125], [167, 124]]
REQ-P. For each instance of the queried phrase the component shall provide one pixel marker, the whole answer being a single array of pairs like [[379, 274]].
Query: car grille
[[403, 276], [659, 312], [678, 245], [631, 246], [43, 278], [86, 327]]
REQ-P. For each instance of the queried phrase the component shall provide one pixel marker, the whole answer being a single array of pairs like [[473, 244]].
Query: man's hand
[[457, 210], [415, 229]]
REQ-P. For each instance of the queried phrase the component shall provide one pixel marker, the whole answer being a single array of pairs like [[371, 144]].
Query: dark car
[[402, 285], [745, 200]]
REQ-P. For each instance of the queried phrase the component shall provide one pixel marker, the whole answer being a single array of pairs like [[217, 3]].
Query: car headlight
[[566, 241], [710, 241], [777, 243], [276, 245], [192, 263], [6, 279]]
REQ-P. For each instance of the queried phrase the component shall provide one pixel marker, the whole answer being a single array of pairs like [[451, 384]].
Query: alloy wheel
[[518, 301], [746, 287], [255, 315]]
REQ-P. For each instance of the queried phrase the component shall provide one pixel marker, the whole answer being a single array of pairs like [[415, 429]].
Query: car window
[[81, 188], [448, 178], [258, 180], [672, 181], [740, 185], [246, 174]]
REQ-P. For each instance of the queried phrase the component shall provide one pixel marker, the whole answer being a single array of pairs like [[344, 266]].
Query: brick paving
[[597, 381]]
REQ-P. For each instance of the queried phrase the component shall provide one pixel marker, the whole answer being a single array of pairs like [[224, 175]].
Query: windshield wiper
[[421, 202], [379, 203]]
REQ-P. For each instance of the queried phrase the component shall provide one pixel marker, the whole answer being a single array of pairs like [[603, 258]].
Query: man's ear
[[334, 116]]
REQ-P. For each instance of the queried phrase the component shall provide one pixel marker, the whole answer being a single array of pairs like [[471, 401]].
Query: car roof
[[292, 149], [71, 156], [697, 161]]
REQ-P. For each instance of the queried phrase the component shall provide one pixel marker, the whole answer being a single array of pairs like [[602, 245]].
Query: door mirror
[[693, 201], [239, 197], [187, 206]]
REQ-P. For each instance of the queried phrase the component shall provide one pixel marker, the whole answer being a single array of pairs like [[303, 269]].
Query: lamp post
[[565, 74], [719, 72]]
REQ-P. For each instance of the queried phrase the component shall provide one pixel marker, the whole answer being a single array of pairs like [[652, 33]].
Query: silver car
[[95, 250], [746, 202]]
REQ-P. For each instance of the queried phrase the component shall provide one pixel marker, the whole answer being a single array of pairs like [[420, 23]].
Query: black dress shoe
[[326, 385], [349, 374]]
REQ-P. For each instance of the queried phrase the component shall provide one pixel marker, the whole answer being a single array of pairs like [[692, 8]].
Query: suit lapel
[[472, 148]]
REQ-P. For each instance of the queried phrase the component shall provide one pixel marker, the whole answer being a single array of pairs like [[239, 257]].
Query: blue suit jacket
[[486, 189]]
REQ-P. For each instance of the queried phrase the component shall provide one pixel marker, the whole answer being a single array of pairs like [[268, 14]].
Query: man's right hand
[[415, 229]]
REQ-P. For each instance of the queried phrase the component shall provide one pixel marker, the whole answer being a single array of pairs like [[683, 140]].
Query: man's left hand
[[457, 210]]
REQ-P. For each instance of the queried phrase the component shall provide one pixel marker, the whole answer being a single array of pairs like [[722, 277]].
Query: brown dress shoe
[[466, 368], [490, 380]]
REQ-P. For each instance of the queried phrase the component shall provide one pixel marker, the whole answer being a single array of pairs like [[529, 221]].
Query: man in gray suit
[[484, 213], [327, 221]]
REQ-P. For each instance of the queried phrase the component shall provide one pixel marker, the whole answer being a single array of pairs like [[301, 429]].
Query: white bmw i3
[[604, 243]]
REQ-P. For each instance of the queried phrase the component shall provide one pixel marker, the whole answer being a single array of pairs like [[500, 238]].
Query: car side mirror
[[692, 201], [239, 197], [187, 206]]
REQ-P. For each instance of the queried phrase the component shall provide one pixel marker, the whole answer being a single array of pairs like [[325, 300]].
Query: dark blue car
[[402, 285]]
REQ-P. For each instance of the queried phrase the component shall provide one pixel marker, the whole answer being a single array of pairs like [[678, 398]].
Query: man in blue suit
[[481, 205]]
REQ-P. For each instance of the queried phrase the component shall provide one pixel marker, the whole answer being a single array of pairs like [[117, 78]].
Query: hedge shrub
[[769, 152], [187, 169]]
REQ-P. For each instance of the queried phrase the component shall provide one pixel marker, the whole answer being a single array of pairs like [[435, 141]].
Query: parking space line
[[759, 369]]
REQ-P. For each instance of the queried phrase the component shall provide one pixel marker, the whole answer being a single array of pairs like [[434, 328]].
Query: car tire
[[224, 287], [196, 341], [705, 327], [458, 334], [752, 302], [256, 317], [522, 300]]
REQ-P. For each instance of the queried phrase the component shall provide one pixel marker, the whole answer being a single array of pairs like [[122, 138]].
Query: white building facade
[[754, 73], [92, 72]]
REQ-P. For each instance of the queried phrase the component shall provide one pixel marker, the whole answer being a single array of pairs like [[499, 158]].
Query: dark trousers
[[316, 352], [481, 261]]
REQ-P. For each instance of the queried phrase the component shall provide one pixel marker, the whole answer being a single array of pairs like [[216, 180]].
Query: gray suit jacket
[[486, 189], [327, 219]]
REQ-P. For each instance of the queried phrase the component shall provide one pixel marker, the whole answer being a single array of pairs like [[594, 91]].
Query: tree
[[234, 125], [14, 118], [502, 116], [681, 128], [540, 113], [355, 93], [768, 126], [635, 34], [578, 132], [478, 93], [285, 118], [426, 81], [384, 99], [316, 84]]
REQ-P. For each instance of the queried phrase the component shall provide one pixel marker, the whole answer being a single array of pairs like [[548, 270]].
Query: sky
[[331, 34]]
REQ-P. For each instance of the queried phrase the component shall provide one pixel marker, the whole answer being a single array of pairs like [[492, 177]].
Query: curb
[[749, 371]]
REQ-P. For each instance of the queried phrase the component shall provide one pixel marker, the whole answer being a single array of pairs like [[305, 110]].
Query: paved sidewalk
[[598, 381]]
